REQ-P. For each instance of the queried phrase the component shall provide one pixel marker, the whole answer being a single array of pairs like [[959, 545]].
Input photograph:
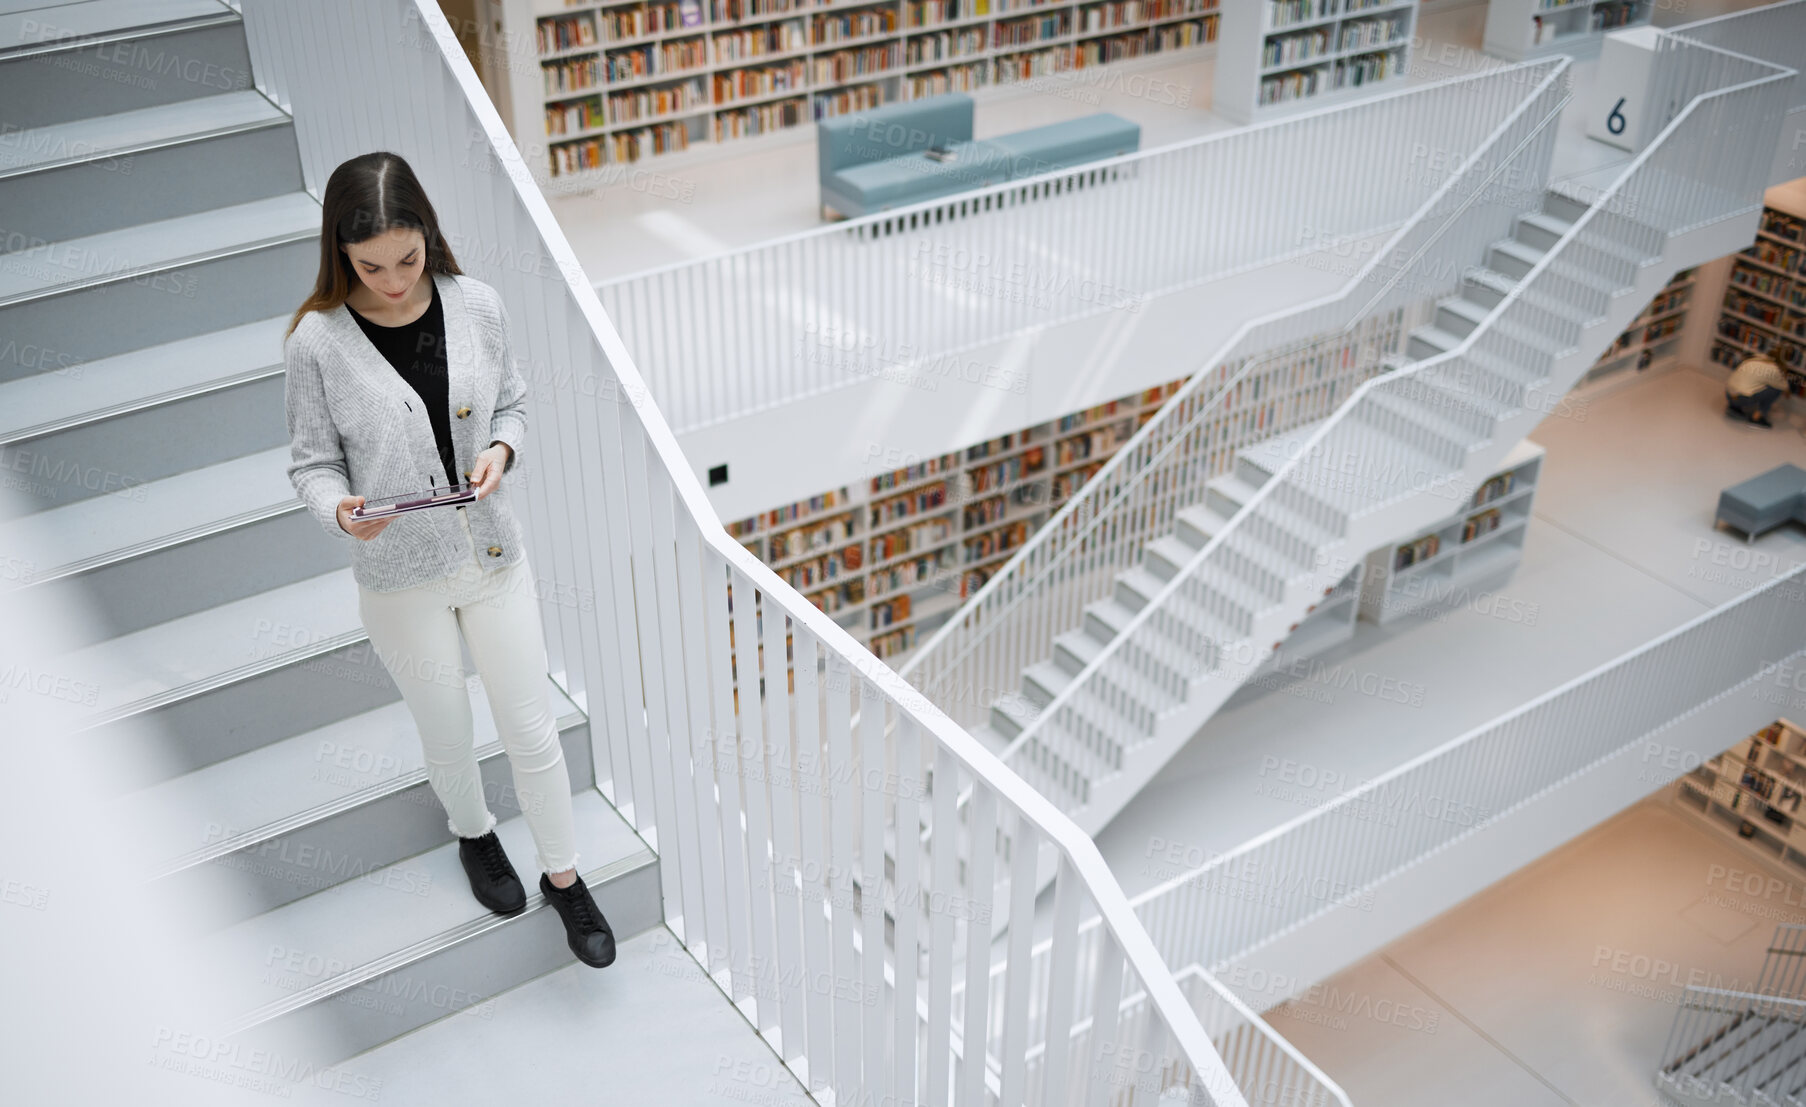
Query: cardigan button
[[463, 411], [495, 551]]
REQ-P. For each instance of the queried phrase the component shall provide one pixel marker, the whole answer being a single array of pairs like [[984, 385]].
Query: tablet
[[436, 496]]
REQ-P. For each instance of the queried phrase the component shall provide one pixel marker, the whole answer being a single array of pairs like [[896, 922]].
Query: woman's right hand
[[364, 529]]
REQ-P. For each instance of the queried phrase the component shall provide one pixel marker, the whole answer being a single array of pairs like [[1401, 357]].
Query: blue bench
[[877, 160], [1765, 502]]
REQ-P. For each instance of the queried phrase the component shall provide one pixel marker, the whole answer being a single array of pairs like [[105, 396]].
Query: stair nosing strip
[[318, 648], [157, 267], [437, 943], [322, 811], [143, 403], [166, 541], [282, 120], [122, 34]]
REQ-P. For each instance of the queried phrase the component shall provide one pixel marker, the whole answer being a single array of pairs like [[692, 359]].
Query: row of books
[[1609, 16], [1301, 46], [894, 643], [650, 19], [898, 477], [1101, 51], [994, 542], [908, 504], [850, 594], [1758, 340], [643, 103], [896, 543], [1484, 523], [908, 574], [1494, 488], [945, 44], [843, 26], [1287, 87], [760, 119], [984, 511], [1067, 483], [773, 38], [657, 59], [850, 65], [1773, 285], [846, 100], [1022, 32], [830, 566], [742, 83], [1282, 13], [1371, 32], [794, 543], [890, 611], [1042, 63], [1367, 69], [1413, 552], [571, 75], [964, 78], [1786, 258], [572, 116], [1025, 464], [1782, 225], [565, 34]]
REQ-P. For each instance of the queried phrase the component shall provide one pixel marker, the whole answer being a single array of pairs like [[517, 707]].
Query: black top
[[417, 351]]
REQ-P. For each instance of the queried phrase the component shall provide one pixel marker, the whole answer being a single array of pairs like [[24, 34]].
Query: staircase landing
[[649, 1029]]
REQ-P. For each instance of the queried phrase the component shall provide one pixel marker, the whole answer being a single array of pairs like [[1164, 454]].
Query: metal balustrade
[[1737, 1047], [981, 652], [722, 703], [1774, 33], [897, 292]]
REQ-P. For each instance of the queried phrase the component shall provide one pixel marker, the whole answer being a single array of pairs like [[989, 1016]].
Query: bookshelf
[[891, 557], [1654, 337], [1331, 622], [1764, 310], [611, 82], [1284, 56], [1751, 793], [1473, 549], [1521, 29]]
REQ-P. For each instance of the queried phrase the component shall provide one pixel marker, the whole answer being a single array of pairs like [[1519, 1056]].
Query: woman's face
[[389, 263]]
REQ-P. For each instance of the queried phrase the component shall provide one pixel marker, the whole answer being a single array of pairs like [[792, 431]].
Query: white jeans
[[415, 633]]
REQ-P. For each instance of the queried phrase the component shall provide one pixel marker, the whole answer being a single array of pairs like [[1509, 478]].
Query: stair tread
[[413, 901], [1467, 309], [76, 22], [103, 135], [1436, 336], [278, 783], [52, 267], [1411, 408], [94, 527], [32, 405], [210, 643]]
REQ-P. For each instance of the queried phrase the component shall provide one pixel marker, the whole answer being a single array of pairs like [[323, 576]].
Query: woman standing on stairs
[[401, 377]]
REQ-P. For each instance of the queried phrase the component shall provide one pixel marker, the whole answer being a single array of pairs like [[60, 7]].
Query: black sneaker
[[492, 878], [584, 927]]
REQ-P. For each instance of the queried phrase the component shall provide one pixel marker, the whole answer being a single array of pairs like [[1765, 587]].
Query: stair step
[[423, 947], [1011, 715], [273, 824], [59, 267], [1044, 680], [197, 652], [1460, 316], [1541, 229], [1420, 410], [1486, 286], [1513, 258], [103, 529], [103, 137], [1431, 341], [78, 395], [1167, 556], [42, 26], [1074, 649]]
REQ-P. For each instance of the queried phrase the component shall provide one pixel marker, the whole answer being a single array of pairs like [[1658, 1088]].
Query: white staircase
[[159, 237], [1746, 1048], [1403, 458]]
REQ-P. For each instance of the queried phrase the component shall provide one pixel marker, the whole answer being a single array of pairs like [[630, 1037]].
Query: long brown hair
[[365, 196]]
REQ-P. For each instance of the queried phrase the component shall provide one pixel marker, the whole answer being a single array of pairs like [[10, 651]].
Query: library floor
[[1556, 986]]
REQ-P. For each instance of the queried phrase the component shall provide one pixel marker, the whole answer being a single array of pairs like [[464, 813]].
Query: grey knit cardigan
[[356, 428]]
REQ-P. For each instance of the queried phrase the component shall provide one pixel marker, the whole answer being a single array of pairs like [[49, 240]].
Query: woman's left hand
[[486, 474]]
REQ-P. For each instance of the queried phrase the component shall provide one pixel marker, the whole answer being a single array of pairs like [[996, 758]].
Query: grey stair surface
[[159, 242]]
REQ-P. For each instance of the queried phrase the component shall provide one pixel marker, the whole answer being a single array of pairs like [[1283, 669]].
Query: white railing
[[1774, 33], [720, 701], [1709, 164], [902, 292], [1325, 858], [1746, 1041], [1010, 623]]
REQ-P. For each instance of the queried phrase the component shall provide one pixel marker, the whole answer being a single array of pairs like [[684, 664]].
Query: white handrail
[[619, 515]]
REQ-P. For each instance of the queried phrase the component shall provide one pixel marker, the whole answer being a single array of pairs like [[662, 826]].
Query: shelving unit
[[621, 81], [1752, 792], [1471, 550], [1654, 337], [1330, 623], [1520, 29], [892, 557], [1764, 309], [1281, 56]]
